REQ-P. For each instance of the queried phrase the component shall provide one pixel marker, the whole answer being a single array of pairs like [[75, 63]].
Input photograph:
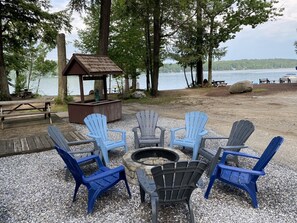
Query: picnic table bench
[[20, 108]]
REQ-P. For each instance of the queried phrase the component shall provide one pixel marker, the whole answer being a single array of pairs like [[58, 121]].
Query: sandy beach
[[271, 107]]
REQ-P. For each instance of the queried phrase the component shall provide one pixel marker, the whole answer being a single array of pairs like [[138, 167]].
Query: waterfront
[[167, 81]]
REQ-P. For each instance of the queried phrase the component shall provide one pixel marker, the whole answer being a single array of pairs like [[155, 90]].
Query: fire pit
[[147, 158]]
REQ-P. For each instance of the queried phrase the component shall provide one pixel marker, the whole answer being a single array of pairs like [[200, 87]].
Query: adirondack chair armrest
[[104, 174], [118, 131], [210, 138], [177, 129], [95, 137], [86, 141], [86, 159], [204, 132], [135, 129], [226, 153], [161, 128], [213, 137], [216, 158], [96, 157], [147, 184], [241, 170], [82, 151], [227, 149]]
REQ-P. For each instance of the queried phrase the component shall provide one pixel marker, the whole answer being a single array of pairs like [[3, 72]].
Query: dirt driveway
[[271, 107]]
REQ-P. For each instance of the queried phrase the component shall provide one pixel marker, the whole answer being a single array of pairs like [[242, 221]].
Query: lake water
[[167, 81]]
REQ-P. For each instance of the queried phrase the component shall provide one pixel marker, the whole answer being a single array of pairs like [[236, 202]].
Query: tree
[[126, 45], [62, 81], [161, 19], [104, 22], [23, 22], [222, 19]]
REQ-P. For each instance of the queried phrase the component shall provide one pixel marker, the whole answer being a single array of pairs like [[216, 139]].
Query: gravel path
[[33, 189]]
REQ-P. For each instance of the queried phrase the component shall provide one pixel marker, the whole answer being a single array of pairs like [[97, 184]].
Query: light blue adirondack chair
[[194, 130], [244, 179], [97, 125]]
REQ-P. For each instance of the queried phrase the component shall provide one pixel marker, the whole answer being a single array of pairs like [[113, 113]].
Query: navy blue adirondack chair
[[97, 125], [194, 130], [244, 178], [98, 182]]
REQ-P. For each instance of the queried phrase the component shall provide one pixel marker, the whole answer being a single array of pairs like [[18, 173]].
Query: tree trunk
[[156, 49], [126, 89], [134, 83], [192, 76], [210, 55], [62, 80], [103, 38], [199, 64], [4, 90], [199, 72], [186, 77], [148, 52]]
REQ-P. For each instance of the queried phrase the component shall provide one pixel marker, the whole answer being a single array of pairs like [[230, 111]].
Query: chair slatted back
[[71, 164], [175, 182], [240, 132], [269, 152], [97, 125], [58, 138], [147, 121], [195, 123]]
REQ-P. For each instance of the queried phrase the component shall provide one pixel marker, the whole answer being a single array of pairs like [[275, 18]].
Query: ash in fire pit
[[154, 156], [147, 158]]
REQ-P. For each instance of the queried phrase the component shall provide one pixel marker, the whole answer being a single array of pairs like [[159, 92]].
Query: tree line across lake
[[247, 64]]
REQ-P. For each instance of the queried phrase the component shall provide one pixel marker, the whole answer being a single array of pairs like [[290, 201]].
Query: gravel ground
[[33, 189]]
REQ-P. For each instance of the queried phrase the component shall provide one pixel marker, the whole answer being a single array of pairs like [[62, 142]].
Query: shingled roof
[[88, 64]]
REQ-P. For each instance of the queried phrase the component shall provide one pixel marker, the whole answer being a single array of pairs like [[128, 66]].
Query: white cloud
[[273, 39]]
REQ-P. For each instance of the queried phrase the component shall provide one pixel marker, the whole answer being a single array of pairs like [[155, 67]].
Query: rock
[[138, 94], [241, 87]]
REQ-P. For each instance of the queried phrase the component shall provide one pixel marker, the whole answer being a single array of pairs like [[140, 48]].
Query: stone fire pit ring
[[147, 158]]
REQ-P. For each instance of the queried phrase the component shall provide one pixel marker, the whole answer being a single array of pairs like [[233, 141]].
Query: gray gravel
[[33, 189]]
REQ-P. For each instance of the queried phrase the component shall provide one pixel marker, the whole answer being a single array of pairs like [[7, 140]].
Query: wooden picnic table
[[17, 108]]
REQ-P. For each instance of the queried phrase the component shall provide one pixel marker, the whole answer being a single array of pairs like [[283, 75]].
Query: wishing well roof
[[89, 64]]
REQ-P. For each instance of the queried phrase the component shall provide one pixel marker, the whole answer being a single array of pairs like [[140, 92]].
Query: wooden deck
[[29, 135], [32, 144]]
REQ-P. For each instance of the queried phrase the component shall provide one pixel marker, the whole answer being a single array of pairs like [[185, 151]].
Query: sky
[[273, 39]]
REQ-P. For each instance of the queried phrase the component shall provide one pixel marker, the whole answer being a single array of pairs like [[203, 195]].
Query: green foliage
[[126, 44], [212, 22], [238, 65], [23, 23], [20, 83]]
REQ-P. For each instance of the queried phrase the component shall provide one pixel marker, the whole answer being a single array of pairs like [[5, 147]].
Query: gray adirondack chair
[[193, 132], [240, 132], [59, 140], [145, 132], [171, 183]]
